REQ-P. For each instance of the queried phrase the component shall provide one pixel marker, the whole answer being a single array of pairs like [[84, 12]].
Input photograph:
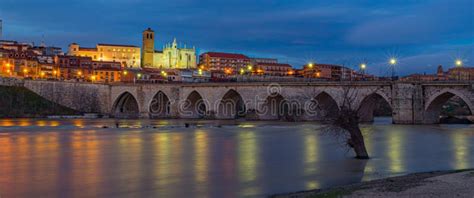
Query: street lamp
[[310, 65], [363, 66], [459, 63], [393, 62], [25, 72]]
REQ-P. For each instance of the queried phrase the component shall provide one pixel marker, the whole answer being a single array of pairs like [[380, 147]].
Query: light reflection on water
[[79, 158]]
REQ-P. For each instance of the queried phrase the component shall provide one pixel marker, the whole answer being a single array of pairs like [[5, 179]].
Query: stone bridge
[[411, 102]]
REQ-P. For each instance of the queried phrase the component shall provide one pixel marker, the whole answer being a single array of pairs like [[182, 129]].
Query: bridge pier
[[407, 103]]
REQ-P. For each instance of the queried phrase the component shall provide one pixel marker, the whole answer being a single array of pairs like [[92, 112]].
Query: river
[[162, 158]]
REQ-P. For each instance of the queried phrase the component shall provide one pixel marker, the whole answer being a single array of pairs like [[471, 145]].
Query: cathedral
[[172, 56]]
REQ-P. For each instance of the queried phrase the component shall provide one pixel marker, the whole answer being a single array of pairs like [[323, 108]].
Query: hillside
[[20, 102]]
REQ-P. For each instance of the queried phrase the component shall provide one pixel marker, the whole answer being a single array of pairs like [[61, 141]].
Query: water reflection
[[248, 159], [248, 152], [461, 150], [201, 161], [311, 153], [395, 151], [369, 168]]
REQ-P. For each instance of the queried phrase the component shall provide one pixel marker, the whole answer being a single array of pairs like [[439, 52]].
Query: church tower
[[148, 48]]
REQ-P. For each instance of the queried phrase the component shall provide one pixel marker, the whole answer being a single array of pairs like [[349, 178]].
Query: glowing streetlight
[[79, 73], [393, 61], [93, 78], [125, 72], [363, 66], [249, 67], [459, 63], [228, 71], [139, 75], [310, 65], [25, 71], [163, 73], [200, 72], [42, 74], [242, 71]]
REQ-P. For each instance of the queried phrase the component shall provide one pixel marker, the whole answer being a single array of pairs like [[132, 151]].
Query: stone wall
[[83, 97]]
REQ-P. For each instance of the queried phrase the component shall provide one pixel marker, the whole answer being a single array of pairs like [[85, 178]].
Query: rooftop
[[226, 55], [117, 45]]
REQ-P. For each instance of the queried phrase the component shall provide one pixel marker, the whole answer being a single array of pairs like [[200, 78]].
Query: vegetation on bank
[[16, 102]]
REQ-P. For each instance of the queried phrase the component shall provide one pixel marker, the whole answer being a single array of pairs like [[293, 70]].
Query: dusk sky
[[421, 34]]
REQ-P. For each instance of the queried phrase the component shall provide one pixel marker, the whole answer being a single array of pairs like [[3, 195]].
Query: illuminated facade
[[461, 73], [171, 57], [225, 62], [271, 67], [331, 72], [126, 55]]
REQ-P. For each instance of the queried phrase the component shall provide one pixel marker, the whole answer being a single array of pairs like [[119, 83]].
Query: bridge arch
[[126, 106], [368, 105], [231, 105], [274, 107], [160, 106], [435, 103], [194, 106], [321, 106]]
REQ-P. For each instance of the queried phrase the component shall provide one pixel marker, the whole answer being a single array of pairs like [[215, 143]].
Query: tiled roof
[[226, 55], [118, 45]]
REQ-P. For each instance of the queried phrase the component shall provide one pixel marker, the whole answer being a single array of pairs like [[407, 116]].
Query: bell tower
[[148, 48]]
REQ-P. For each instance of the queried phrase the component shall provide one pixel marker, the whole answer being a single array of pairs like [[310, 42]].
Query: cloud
[[432, 22], [335, 31]]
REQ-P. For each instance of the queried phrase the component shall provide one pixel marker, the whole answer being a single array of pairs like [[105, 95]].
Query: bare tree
[[345, 122]]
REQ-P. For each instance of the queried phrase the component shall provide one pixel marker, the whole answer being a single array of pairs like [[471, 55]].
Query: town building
[[47, 50], [331, 72], [453, 74], [461, 73], [46, 66], [73, 67], [6, 62], [172, 56], [127, 55], [271, 67], [264, 60], [228, 63], [106, 72]]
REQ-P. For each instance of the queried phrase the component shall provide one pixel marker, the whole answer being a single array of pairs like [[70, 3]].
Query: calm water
[[79, 158]]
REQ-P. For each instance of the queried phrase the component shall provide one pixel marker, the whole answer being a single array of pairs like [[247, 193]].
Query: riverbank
[[19, 102], [458, 183]]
